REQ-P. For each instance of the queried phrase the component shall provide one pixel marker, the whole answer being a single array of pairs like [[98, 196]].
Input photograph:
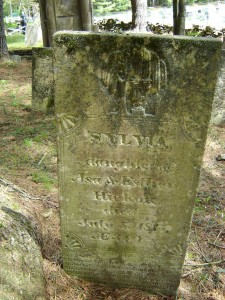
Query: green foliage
[[190, 2], [208, 32], [17, 6], [6, 9], [160, 3], [41, 136], [113, 25], [121, 5], [166, 3], [106, 6], [102, 6], [28, 142], [9, 63], [3, 82], [43, 177], [15, 103], [10, 25], [15, 41]]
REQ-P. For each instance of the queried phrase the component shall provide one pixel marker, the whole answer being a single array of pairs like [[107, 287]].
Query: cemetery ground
[[28, 185]]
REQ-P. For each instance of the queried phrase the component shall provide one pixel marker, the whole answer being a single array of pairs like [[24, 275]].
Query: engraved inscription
[[119, 211], [123, 198], [128, 164], [104, 231], [128, 181], [125, 140], [100, 224]]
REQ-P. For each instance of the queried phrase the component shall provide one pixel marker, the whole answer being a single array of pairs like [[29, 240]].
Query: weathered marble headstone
[[33, 32], [218, 111], [42, 80], [132, 116]]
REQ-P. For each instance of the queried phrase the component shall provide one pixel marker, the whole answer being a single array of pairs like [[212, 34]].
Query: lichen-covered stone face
[[42, 80], [218, 112], [132, 114]]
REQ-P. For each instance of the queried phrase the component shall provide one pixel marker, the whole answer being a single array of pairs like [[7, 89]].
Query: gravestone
[[218, 111], [132, 114], [64, 15], [42, 80], [33, 32]]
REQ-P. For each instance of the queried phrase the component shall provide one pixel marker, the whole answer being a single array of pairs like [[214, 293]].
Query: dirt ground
[[28, 174]]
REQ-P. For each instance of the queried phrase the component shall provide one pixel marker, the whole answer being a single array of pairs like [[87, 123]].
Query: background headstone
[[15, 58], [64, 15], [42, 80], [132, 115], [33, 32], [218, 113]]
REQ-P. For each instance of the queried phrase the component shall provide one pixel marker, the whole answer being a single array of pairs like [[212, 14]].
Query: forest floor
[[28, 174]]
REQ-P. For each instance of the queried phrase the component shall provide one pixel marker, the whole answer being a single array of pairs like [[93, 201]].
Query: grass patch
[[3, 82], [28, 143], [28, 138], [16, 41], [41, 136], [18, 159], [43, 177], [15, 103], [9, 63]]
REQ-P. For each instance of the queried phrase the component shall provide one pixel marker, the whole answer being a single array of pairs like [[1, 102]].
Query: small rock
[[47, 213], [9, 138], [21, 263], [218, 120], [15, 58], [220, 157]]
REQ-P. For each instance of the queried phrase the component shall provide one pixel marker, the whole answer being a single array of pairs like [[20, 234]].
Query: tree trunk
[[44, 26], [4, 54], [179, 17], [139, 15]]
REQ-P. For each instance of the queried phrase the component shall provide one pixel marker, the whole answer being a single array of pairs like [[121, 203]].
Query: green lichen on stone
[[132, 113], [42, 52], [42, 80]]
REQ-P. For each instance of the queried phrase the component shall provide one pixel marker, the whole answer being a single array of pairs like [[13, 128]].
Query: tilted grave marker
[[42, 80], [132, 115]]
